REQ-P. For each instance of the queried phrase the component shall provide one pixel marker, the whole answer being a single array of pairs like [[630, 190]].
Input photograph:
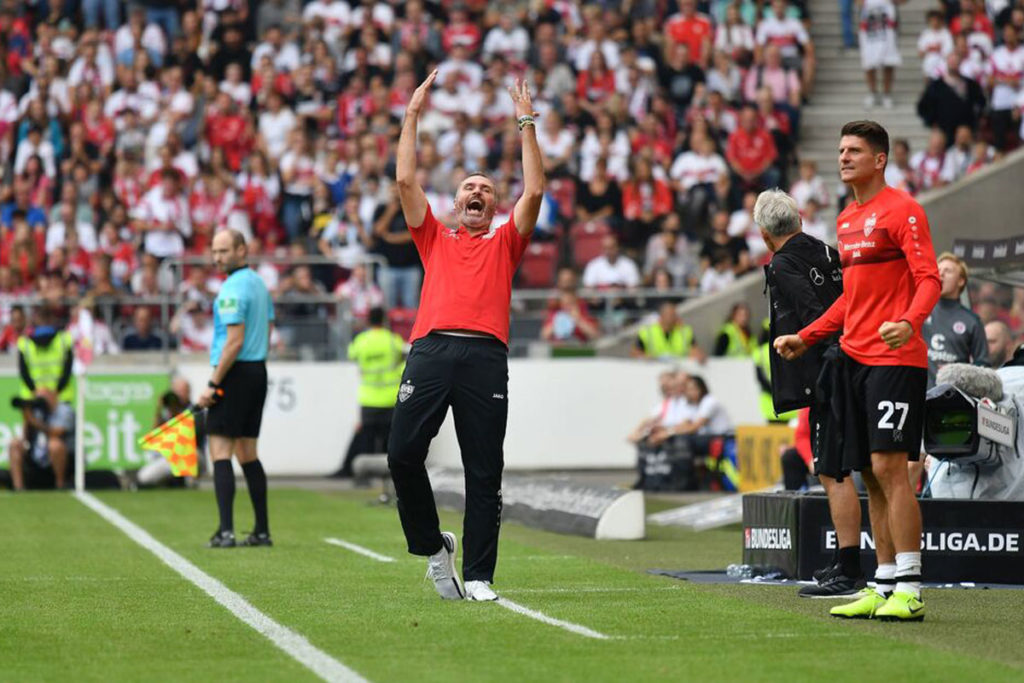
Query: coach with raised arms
[[459, 355]]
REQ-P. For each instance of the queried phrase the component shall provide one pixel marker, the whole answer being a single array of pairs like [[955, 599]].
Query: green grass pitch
[[80, 601]]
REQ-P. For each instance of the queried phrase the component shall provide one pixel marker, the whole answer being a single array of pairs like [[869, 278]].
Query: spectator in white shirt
[[611, 270], [814, 225], [276, 123], [470, 73], [709, 417], [597, 39], [88, 68], [557, 145], [934, 45], [335, 15], [233, 85], [507, 39], [789, 34], [285, 55], [35, 144], [809, 186], [162, 217], [959, 156], [720, 275], [57, 233], [474, 146], [695, 174]]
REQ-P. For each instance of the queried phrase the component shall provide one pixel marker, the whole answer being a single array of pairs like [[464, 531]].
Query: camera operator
[[40, 459]]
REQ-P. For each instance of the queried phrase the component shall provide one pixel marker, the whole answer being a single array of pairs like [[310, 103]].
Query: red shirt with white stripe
[[889, 274], [467, 282]]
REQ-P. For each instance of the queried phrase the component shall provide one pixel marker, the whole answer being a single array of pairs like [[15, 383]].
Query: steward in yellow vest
[[380, 355], [667, 337], [45, 360], [735, 339]]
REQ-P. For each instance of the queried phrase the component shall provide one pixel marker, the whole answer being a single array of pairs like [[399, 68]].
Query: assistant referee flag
[[176, 441]]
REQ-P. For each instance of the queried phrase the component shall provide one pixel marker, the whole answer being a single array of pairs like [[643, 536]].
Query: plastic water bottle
[[732, 570], [746, 571]]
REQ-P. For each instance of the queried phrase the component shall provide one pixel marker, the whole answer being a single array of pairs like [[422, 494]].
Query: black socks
[[256, 480], [849, 560], [224, 485]]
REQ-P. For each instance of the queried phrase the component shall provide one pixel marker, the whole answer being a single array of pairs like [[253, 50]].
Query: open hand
[[419, 96], [790, 346], [522, 99]]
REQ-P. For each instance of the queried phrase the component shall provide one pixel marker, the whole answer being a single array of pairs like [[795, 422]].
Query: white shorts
[[876, 52]]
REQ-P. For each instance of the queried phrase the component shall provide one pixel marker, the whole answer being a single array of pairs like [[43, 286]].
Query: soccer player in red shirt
[[459, 355], [890, 285]]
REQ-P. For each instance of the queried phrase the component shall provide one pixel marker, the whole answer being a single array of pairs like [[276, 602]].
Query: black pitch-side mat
[[719, 576]]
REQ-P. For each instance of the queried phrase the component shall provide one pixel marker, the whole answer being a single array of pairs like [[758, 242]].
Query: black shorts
[[870, 408], [239, 412]]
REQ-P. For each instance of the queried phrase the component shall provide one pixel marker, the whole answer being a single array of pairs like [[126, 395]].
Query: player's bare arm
[[528, 207], [411, 195]]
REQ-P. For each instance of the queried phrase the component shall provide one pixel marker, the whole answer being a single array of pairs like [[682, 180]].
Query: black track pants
[[471, 376]]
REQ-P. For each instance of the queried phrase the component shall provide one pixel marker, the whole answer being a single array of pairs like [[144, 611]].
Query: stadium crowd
[[132, 131]]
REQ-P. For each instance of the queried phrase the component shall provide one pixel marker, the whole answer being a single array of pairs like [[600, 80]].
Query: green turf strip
[[386, 623], [81, 601]]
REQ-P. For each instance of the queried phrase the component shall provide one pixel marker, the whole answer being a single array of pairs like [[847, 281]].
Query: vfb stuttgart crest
[[405, 391], [869, 224]]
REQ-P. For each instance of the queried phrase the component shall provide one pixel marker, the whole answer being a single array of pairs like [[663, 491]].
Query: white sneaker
[[441, 569], [480, 591], [870, 101], [887, 102]]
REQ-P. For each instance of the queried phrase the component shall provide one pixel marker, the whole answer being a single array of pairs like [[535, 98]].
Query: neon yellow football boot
[[901, 606], [864, 607]]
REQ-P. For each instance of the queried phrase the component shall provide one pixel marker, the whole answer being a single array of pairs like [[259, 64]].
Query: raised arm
[[414, 200], [528, 207]]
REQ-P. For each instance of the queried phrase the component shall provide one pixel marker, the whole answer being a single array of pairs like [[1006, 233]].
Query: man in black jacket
[[951, 100], [803, 278]]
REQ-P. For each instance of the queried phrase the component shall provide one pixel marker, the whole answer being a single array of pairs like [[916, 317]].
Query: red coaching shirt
[[889, 274], [468, 279]]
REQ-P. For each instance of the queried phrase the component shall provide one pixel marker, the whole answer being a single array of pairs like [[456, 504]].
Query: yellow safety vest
[[46, 364], [762, 358], [379, 354], [739, 345], [658, 345]]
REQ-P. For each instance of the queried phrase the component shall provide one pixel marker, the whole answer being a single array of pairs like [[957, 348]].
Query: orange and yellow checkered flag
[[176, 441]]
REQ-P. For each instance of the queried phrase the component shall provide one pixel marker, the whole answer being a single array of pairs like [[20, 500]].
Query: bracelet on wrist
[[524, 121]]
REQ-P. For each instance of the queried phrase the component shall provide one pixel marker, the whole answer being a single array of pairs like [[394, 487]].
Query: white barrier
[[563, 414]]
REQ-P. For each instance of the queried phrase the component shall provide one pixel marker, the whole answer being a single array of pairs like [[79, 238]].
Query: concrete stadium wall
[[988, 204], [563, 414]]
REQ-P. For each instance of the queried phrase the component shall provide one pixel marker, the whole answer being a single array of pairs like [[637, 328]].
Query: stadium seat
[[564, 192], [586, 241], [538, 266], [401, 320]]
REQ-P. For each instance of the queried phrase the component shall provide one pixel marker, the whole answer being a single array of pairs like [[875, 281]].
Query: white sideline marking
[[287, 640], [540, 616], [507, 604], [591, 590], [359, 549]]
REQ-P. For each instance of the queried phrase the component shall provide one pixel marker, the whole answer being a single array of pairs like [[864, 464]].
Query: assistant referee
[[459, 355], [242, 318]]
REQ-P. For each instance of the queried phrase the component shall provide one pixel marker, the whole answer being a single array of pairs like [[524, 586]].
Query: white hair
[[776, 213]]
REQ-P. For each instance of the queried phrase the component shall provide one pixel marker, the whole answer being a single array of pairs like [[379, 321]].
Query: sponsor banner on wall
[[119, 408], [962, 540]]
